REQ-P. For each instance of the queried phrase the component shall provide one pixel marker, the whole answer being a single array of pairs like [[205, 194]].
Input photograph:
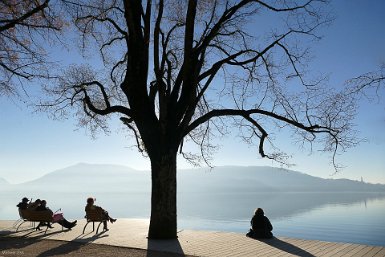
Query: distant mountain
[[237, 179], [3, 182], [94, 177], [268, 179], [218, 193]]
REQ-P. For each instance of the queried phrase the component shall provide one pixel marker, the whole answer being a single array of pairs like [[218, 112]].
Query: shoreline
[[131, 236]]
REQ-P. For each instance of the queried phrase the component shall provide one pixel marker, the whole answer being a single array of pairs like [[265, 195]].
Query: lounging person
[[33, 205], [260, 225], [23, 204], [62, 221], [90, 207]]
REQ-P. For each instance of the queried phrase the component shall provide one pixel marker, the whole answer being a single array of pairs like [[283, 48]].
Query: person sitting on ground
[[23, 204], [91, 207], [65, 223], [261, 226]]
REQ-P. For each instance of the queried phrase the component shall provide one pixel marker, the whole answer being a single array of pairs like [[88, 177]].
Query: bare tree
[[23, 25], [367, 82], [177, 71]]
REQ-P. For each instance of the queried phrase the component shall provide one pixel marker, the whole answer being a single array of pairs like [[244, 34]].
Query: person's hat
[[25, 199], [90, 200]]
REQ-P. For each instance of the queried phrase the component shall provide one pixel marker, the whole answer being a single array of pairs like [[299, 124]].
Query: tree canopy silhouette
[[23, 26], [184, 71]]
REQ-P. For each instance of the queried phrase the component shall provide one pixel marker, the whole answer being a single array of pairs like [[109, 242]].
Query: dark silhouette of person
[[65, 223], [33, 205], [260, 225], [23, 204], [91, 207]]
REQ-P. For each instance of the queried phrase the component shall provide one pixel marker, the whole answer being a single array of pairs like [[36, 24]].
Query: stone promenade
[[131, 233]]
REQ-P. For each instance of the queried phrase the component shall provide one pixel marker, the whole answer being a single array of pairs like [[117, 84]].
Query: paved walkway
[[132, 233]]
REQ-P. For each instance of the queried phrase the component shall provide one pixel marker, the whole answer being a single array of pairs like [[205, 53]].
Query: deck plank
[[337, 249], [314, 245], [349, 247], [354, 251], [363, 251], [372, 252], [381, 253], [322, 248]]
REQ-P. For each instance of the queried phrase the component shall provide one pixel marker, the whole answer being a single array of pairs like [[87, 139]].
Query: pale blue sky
[[32, 144]]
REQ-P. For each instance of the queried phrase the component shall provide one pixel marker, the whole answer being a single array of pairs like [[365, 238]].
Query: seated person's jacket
[[91, 207], [22, 205], [261, 226], [42, 208]]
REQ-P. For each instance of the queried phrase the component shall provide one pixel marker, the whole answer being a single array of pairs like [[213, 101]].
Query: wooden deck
[[132, 233]]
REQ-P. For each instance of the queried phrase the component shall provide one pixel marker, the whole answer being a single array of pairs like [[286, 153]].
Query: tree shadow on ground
[[286, 247], [28, 235], [63, 249], [7, 242], [163, 248], [26, 241], [24, 238]]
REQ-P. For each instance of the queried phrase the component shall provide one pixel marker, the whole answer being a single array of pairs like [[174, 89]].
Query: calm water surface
[[362, 222], [339, 217]]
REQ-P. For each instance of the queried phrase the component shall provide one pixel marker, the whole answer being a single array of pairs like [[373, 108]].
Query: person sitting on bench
[[65, 223], [23, 204], [91, 207]]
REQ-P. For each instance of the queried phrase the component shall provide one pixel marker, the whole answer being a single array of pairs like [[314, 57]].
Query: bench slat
[[44, 216], [95, 215]]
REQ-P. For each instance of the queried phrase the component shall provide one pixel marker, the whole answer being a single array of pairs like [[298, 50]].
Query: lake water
[[340, 217]]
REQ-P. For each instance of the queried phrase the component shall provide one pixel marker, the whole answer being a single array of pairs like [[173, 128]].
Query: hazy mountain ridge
[[219, 193], [235, 179], [92, 177], [262, 178], [3, 182], [87, 172]]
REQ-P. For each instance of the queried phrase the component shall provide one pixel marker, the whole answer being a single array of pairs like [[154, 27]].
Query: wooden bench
[[35, 216], [94, 216]]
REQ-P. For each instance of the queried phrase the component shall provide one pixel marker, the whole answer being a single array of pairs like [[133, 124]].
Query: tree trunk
[[163, 223]]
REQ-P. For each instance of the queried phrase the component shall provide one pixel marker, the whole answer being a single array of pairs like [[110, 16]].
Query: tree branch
[[246, 113], [12, 23]]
